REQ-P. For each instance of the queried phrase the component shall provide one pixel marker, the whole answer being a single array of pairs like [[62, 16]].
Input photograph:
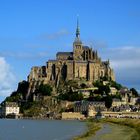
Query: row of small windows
[[78, 47]]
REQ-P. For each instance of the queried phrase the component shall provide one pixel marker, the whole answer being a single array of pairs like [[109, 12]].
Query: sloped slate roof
[[65, 53], [85, 47]]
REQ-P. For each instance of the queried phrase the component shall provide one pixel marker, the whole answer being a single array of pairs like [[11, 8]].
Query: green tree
[[45, 89], [116, 85], [134, 92], [103, 89], [106, 89], [71, 96], [105, 78], [83, 85], [108, 101], [14, 97], [96, 91], [97, 83]]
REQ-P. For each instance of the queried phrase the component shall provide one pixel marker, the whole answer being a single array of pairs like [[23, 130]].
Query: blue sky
[[32, 31]]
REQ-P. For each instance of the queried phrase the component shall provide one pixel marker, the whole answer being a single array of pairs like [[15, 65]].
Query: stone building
[[85, 106], [72, 115], [10, 108], [82, 63]]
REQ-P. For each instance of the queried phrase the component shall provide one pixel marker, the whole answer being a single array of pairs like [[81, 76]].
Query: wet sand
[[111, 131]]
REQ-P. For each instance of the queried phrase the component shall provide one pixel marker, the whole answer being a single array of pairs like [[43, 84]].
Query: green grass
[[93, 126], [133, 123]]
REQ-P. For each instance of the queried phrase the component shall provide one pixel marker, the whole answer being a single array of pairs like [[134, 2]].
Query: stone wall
[[72, 115], [81, 69], [70, 70]]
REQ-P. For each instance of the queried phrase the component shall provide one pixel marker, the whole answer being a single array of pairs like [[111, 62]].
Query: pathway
[[115, 132]]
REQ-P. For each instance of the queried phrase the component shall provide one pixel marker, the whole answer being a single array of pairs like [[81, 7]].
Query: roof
[[65, 53], [94, 103], [85, 47], [105, 63], [10, 104], [116, 100], [51, 60], [124, 90]]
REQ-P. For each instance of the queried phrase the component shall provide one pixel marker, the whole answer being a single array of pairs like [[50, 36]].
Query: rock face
[[82, 63]]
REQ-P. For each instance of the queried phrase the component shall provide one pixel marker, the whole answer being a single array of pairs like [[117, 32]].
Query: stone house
[[10, 108], [86, 107], [116, 102]]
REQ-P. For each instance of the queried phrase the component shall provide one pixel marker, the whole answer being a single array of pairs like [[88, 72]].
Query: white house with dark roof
[[10, 108]]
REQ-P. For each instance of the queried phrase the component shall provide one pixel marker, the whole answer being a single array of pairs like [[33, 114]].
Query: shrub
[[45, 89]]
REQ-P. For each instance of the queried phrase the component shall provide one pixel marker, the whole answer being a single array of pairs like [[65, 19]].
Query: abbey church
[[81, 63]]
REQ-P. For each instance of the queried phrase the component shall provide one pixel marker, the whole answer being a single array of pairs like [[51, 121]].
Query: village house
[[116, 102], [87, 107], [10, 108]]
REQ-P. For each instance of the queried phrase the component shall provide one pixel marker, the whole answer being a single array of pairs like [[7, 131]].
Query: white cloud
[[126, 63], [55, 35], [7, 78]]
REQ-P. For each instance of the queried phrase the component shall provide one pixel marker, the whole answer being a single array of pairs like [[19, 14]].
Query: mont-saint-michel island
[[76, 85], [68, 77]]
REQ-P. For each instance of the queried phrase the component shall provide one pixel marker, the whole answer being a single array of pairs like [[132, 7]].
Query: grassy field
[[133, 123], [117, 132], [130, 129]]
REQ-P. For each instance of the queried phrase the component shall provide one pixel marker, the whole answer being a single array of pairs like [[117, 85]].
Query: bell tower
[[77, 44]]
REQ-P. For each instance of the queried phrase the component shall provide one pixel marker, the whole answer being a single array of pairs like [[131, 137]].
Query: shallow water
[[40, 129]]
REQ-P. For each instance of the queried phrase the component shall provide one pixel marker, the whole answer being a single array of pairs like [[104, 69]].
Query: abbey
[[82, 63]]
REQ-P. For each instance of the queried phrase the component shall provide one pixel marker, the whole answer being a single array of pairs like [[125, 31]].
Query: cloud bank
[[126, 64], [7, 78]]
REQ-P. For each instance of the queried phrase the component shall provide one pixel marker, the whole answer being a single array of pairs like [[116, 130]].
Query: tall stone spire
[[77, 39], [77, 29]]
